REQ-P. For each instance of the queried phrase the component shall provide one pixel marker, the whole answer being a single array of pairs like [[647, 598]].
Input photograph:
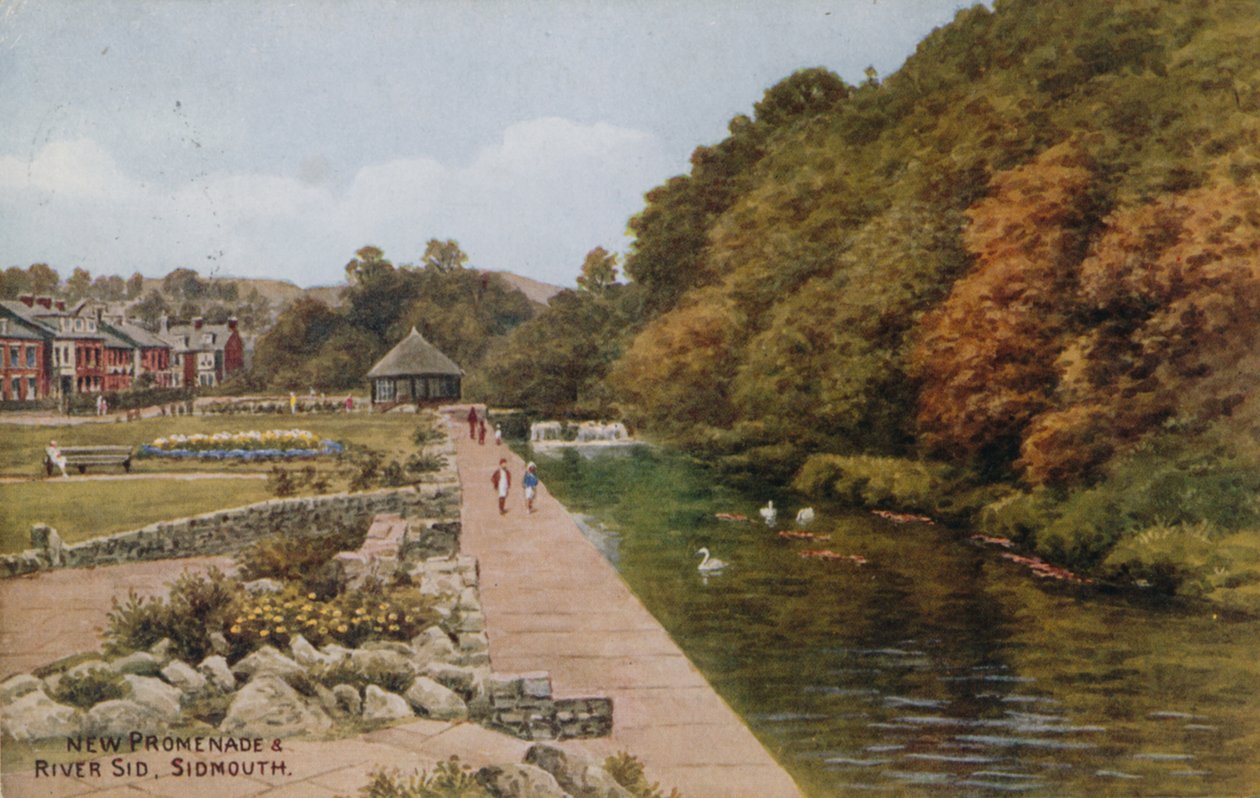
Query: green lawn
[[89, 509], [22, 450], [80, 509]]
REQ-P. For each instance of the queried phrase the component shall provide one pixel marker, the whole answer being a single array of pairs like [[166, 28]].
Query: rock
[[269, 707], [120, 717], [327, 701], [183, 676], [268, 660], [155, 694], [336, 652], [467, 682], [379, 663], [433, 645], [380, 704], [469, 600], [397, 646], [46, 539], [432, 700], [218, 674], [219, 644], [32, 715], [519, 781], [307, 655], [162, 650], [348, 700], [576, 774], [263, 587], [82, 669], [141, 663], [18, 686], [472, 622]]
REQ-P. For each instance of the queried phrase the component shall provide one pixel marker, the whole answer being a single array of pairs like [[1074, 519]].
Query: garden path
[[552, 602], [176, 475]]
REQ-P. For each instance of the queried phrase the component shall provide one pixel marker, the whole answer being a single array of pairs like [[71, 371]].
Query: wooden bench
[[81, 457]]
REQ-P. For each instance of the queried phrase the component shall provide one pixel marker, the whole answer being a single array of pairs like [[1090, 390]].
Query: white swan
[[708, 565], [805, 516], [768, 513]]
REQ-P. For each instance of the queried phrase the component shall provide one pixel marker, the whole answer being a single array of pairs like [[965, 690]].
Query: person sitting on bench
[[56, 457]]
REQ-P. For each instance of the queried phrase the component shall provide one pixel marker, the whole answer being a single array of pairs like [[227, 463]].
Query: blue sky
[[272, 139]]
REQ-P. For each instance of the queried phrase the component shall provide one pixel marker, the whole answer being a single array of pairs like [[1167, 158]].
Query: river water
[[934, 668]]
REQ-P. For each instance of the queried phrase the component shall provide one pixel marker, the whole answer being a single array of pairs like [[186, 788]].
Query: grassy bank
[[83, 510]]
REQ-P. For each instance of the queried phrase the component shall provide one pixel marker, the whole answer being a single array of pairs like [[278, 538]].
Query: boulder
[[348, 700], [469, 600], [182, 675], [380, 704], [260, 587], [472, 622], [32, 715], [432, 700], [380, 663], [162, 650], [120, 717], [219, 644], [268, 660], [576, 773], [269, 707], [327, 701], [156, 694], [397, 646], [519, 781], [16, 687], [433, 645], [467, 681], [336, 652], [307, 655], [82, 669], [141, 663], [218, 674]]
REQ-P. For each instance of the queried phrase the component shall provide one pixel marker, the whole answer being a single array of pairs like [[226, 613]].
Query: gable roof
[[137, 335], [414, 356]]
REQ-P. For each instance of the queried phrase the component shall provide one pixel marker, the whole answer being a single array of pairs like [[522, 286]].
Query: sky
[[262, 138]]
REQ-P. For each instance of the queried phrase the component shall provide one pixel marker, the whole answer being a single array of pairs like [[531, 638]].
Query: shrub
[[421, 463], [88, 688], [300, 558], [627, 770], [870, 481], [359, 677], [279, 483], [449, 779], [1019, 516], [427, 432], [196, 606], [1193, 561]]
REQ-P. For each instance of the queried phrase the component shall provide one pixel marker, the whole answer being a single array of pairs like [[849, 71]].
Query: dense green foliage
[[1031, 255], [461, 311]]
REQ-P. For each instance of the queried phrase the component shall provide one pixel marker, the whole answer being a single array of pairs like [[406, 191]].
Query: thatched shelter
[[415, 371]]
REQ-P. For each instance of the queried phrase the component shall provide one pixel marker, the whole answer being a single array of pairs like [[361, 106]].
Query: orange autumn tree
[[1174, 289], [985, 360]]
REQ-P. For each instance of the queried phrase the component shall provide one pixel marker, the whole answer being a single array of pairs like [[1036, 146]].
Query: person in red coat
[[472, 423], [502, 481]]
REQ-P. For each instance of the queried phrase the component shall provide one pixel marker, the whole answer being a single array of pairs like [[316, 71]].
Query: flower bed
[[252, 445]]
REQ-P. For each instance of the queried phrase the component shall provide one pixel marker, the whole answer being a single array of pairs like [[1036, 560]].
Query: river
[[933, 668]]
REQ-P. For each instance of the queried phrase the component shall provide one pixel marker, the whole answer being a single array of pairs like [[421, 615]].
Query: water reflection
[[935, 667]]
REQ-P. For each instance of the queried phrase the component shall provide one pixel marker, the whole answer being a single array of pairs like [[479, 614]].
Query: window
[[78, 324], [384, 390], [13, 357], [30, 357], [16, 393], [30, 387]]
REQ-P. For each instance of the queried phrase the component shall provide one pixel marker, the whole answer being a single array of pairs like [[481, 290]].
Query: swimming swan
[[709, 565], [805, 516], [768, 513]]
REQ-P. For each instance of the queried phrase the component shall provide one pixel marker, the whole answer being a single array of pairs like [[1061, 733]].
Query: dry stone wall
[[227, 531]]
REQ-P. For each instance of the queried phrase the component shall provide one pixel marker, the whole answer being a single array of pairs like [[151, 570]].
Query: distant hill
[[535, 290]]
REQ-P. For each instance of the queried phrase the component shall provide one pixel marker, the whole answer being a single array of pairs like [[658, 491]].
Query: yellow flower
[[280, 630], [235, 629], [323, 630], [382, 606], [360, 611], [336, 613], [310, 596], [264, 633], [393, 616], [393, 627], [311, 622], [341, 628]]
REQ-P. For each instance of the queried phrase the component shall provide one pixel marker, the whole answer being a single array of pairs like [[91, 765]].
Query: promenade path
[[552, 602]]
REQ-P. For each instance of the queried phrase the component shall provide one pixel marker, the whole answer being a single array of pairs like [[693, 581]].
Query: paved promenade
[[552, 602]]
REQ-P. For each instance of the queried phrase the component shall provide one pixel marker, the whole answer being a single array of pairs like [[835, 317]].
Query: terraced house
[[203, 355]]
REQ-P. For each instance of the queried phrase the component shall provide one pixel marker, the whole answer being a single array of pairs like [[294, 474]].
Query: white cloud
[[534, 203]]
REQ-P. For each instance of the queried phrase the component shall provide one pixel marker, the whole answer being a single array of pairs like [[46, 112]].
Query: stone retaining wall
[[523, 706], [227, 531]]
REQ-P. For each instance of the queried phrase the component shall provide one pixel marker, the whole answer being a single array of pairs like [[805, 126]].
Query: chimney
[[45, 301], [61, 305], [27, 299], [197, 322], [232, 323]]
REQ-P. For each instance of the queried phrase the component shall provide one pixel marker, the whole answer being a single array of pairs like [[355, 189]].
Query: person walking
[[481, 433], [531, 486], [292, 403], [502, 481], [472, 423], [498, 434]]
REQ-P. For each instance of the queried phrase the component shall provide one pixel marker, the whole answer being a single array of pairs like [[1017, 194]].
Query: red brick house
[[203, 355], [77, 361], [23, 367]]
